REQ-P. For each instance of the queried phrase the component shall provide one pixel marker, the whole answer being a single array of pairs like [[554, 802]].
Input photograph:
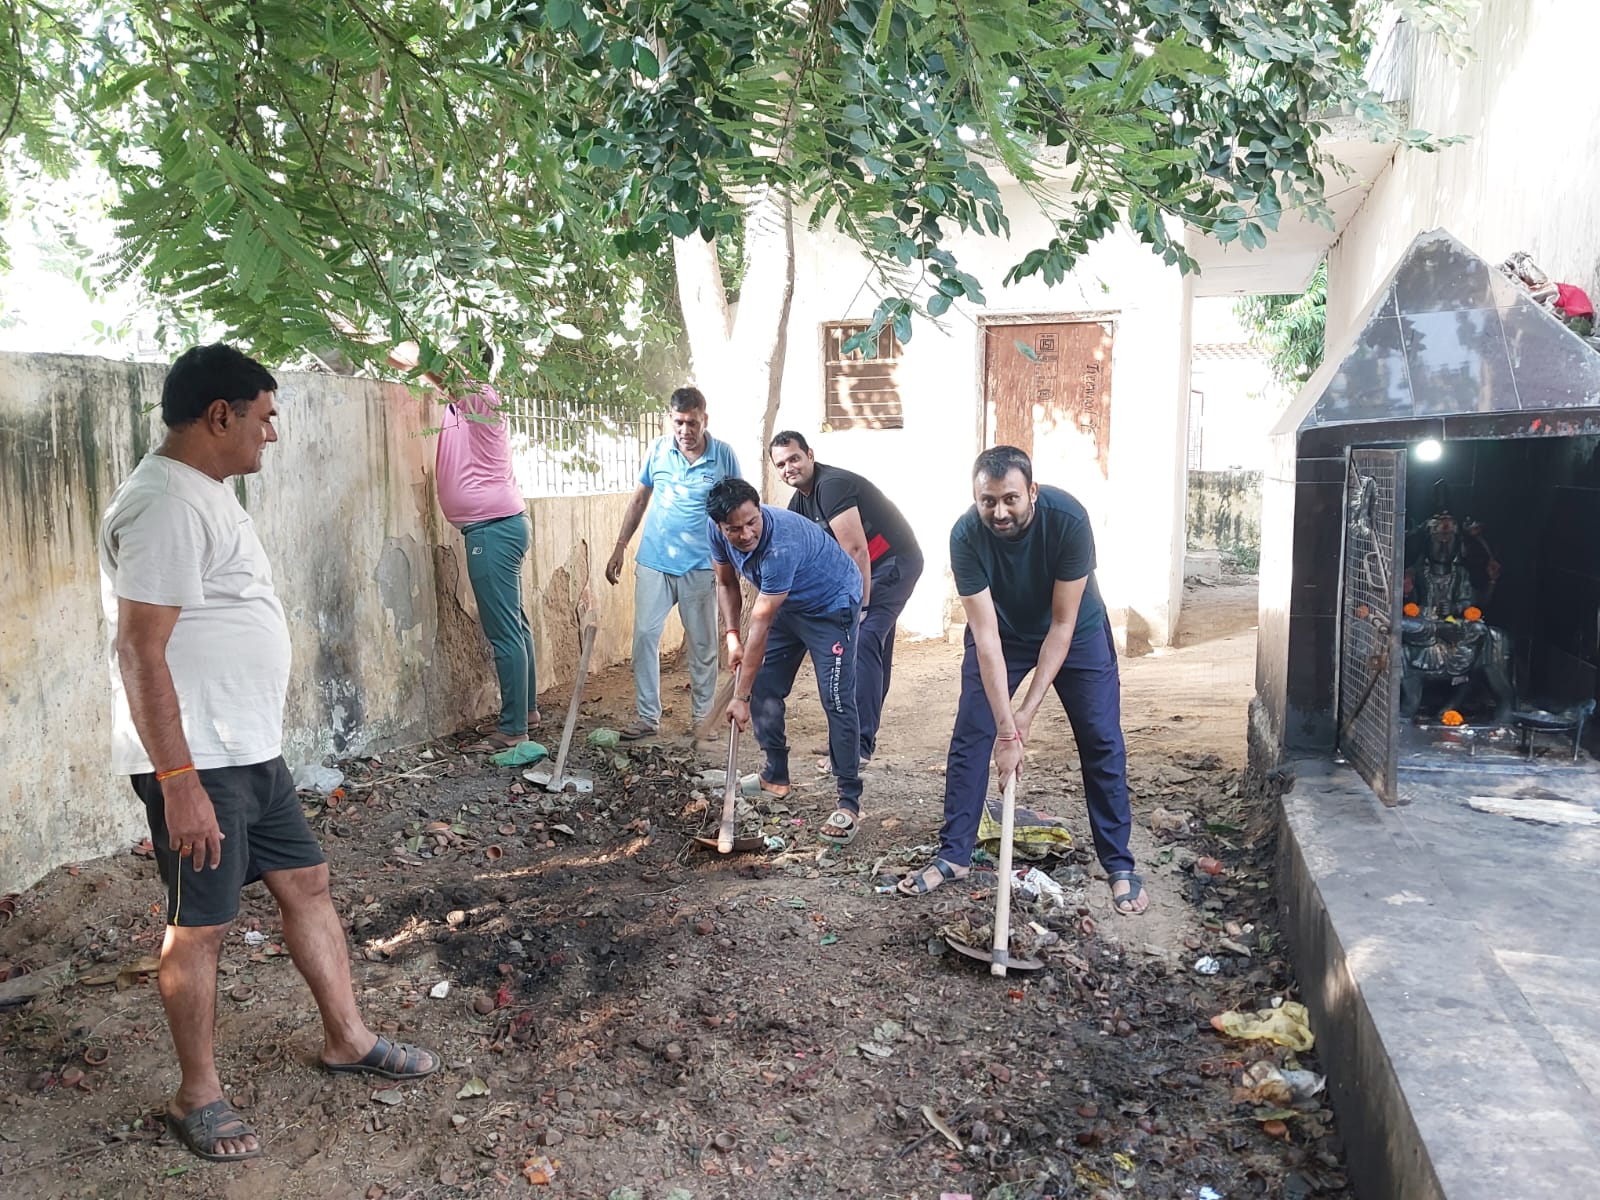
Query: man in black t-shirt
[[1023, 560], [870, 529]]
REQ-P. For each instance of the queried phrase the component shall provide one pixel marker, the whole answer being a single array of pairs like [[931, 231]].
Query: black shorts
[[266, 831]]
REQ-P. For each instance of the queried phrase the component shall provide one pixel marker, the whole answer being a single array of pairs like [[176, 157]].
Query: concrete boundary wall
[[386, 646]]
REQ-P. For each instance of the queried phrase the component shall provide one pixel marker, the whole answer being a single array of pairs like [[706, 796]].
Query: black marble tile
[[1313, 643], [1371, 383], [1458, 362], [1439, 274], [1321, 470], [1553, 367], [1559, 679]]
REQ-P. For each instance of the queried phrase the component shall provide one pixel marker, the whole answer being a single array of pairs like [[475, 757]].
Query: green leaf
[[558, 13], [621, 55], [938, 304], [646, 62]]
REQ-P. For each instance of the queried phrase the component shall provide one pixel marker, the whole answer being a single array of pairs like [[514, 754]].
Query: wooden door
[[1052, 399]]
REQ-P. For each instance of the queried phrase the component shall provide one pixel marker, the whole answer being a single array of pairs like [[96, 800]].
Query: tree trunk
[[738, 356]]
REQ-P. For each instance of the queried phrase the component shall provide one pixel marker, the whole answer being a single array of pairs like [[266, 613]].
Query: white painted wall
[[1242, 397], [925, 467], [1528, 178]]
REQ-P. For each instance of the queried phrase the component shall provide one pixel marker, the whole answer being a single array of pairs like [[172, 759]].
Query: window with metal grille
[[860, 392]]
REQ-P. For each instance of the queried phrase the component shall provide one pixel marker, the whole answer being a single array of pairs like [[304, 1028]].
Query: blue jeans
[[495, 552], [892, 583], [1091, 693], [831, 642], [654, 594]]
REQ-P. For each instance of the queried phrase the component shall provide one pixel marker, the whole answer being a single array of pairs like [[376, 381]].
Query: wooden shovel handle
[[1002, 895], [730, 792], [577, 697]]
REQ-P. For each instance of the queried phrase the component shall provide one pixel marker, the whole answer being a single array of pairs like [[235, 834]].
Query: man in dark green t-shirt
[[1023, 561]]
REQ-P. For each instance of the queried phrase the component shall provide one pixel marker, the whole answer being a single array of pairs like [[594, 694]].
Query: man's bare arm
[[630, 526], [1065, 600], [143, 631], [852, 538], [984, 625]]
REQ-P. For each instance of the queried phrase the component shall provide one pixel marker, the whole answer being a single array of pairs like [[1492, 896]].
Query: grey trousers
[[654, 594]]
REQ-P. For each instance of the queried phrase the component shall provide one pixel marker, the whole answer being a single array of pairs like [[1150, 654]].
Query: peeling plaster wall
[[344, 505]]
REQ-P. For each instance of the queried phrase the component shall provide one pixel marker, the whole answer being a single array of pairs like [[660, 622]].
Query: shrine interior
[[1527, 514]]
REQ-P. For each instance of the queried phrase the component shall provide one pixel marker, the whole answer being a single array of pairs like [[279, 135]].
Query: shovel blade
[[581, 782]]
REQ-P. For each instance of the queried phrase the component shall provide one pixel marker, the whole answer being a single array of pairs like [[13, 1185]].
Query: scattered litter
[[255, 937], [389, 1095], [937, 1122], [606, 739], [540, 1169], [1036, 835], [472, 1088], [314, 777], [1208, 1193], [874, 1049], [1289, 1025], [1267, 1083], [1034, 884], [1234, 947], [520, 755], [440, 990], [1165, 821], [1207, 866], [1206, 965]]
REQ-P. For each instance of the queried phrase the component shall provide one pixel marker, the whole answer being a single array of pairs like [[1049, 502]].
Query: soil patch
[[634, 1017]]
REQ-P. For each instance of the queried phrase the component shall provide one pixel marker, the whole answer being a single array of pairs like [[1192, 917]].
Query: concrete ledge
[[1447, 958], [1383, 1149]]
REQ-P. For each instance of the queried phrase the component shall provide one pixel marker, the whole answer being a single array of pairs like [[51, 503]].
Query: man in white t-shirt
[[199, 672]]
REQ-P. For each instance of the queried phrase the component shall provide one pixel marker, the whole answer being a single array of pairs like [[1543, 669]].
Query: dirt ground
[[662, 1024]]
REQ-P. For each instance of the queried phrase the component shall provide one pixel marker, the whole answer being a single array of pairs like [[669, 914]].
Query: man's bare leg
[[315, 939], [188, 983]]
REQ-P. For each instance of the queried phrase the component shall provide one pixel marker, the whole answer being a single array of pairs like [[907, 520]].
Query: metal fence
[[564, 449]]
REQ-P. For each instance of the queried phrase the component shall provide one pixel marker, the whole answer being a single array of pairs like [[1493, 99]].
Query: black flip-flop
[[1131, 896], [919, 887]]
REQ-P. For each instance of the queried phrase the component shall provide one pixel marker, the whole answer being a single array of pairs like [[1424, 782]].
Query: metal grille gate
[[1369, 643]]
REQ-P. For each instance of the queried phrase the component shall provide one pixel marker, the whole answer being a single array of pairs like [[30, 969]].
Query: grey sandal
[[209, 1124], [391, 1060]]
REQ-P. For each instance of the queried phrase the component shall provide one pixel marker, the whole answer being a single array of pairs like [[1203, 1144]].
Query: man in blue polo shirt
[[673, 563], [809, 602], [1023, 560]]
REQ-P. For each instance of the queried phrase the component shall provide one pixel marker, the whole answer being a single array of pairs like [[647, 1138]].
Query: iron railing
[[564, 449]]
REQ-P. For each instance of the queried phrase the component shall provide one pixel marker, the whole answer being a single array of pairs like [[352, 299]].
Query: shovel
[[725, 842], [999, 956], [557, 778]]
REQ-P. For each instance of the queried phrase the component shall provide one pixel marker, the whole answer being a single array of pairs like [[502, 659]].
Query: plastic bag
[[520, 755], [1288, 1025]]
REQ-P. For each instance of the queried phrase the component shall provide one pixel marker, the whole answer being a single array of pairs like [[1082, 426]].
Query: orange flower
[[1411, 610], [1453, 718], [1362, 612], [1473, 613]]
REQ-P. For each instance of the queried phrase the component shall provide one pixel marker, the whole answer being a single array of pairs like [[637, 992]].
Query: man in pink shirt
[[479, 495]]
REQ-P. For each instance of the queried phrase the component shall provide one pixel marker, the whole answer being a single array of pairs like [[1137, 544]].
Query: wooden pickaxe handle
[[1002, 896], [730, 793]]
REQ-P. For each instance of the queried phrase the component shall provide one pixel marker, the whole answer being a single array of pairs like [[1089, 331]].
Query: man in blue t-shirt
[[673, 563], [809, 602], [1023, 561]]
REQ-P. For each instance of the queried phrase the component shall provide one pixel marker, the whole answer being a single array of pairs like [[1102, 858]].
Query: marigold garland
[[1411, 610], [1473, 613], [1452, 718]]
